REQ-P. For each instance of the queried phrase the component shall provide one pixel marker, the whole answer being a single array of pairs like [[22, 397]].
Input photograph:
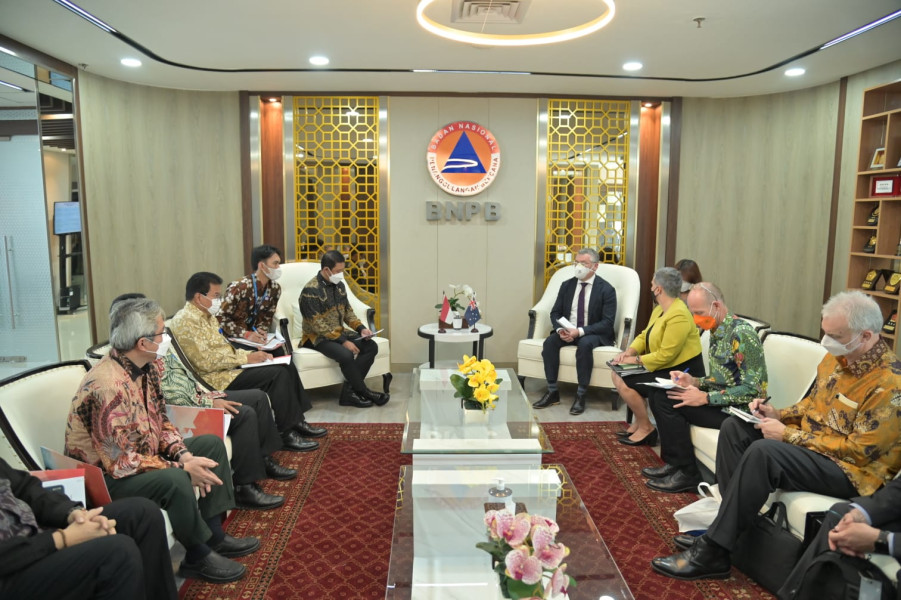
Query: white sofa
[[316, 370], [529, 361]]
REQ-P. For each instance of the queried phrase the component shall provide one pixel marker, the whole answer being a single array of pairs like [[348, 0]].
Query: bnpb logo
[[463, 158]]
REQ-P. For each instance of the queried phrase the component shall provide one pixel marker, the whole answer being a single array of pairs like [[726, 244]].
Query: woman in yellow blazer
[[670, 342]]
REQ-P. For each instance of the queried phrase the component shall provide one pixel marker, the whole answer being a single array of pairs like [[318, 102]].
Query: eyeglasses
[[153, 335], [587, 264]]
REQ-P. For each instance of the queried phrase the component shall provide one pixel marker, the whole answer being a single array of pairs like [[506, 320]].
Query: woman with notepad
[[669, 342]]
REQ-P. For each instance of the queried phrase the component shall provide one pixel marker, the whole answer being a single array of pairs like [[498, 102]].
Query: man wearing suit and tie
[[589, 303]]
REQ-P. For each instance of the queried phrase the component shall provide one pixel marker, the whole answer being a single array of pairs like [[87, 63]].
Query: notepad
[[744, 416], [272, 342], [278, 360]]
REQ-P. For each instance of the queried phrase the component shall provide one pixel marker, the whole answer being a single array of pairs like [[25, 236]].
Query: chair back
[[97, 351], [183, 359], [34, 409], [623, 279], [791, 364], [759, 326], [295, 275]]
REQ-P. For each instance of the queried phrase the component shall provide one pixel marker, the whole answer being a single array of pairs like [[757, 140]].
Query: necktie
[[580, 307]]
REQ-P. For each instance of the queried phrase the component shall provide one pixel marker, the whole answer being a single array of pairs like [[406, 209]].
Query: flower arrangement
[[529, 560], [456, 300], [478, 384]]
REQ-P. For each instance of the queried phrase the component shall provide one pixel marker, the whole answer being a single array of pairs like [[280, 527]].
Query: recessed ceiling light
[[319, 61], [8, 51], [13, 86], [632, 66], [795, 72], [130, 62]]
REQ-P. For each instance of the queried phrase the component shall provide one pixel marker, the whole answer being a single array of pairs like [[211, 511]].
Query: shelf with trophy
[[875, 248]]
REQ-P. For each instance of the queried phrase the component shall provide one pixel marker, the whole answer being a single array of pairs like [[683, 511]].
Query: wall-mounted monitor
[[66, 218]]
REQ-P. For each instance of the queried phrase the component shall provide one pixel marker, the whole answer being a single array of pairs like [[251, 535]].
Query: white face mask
[[163, 347], [215, 307], [836, 348], [336, 278], [273, 274], [582, 271]]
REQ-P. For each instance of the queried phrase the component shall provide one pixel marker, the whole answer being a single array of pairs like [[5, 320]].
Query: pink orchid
[[512, 529], [549, 523], [523, 567], [547, 551], [558, 582]]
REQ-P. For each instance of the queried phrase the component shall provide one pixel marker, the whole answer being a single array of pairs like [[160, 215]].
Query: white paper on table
[[278, 360]]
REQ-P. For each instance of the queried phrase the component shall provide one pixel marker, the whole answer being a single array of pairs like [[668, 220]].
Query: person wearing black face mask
[[326, 311], [737, 376]]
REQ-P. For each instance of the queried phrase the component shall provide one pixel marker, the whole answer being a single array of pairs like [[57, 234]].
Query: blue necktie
[[580, 307]]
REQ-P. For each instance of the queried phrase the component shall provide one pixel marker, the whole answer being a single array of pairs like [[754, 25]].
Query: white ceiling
[[735, 38]]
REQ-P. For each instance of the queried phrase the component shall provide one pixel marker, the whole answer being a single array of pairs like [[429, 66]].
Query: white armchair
[[530, 364], [316, 370]]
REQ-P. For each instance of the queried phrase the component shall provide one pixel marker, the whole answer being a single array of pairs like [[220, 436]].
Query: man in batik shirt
[[118, 422], [248, 306], [737, 376], [841, 440]]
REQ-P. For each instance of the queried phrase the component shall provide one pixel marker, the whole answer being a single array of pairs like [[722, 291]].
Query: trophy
[[870, 246], [872, 278], [889, 326], [873, 219], [892, 282]]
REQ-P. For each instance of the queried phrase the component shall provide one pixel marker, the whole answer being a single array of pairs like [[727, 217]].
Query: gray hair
[[713, 293], [670, 280], [591, 252], [861, 311], [132, 319]]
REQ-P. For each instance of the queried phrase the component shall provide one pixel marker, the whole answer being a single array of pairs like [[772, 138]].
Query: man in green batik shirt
[[737, 376]]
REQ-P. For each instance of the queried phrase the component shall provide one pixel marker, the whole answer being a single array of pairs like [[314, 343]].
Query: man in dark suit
[[589, 303], [866, 524]]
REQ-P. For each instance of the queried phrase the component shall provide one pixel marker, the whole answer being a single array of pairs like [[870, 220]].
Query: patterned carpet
[[332, 538]]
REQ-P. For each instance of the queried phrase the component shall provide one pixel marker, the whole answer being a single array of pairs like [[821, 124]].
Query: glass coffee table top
[[437, 424], [439, 519]]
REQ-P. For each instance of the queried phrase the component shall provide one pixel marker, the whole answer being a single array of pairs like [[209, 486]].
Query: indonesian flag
[[445, 314]]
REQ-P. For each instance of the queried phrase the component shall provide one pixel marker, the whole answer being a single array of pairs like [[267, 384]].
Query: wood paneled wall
[[754, 199], [162, 189]]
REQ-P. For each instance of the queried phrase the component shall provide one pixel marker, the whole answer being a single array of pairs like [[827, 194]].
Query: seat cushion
[[530, 363], [704, 440]]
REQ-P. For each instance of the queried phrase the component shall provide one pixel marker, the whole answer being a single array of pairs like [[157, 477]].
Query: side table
[[456, 336]]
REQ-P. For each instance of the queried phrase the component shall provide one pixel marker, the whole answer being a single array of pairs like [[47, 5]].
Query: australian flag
[[472, 315]]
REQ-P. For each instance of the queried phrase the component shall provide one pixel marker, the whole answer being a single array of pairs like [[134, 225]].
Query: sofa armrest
[[286, 335]]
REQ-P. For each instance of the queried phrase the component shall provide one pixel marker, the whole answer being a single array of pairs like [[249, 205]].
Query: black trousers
[[171, 490], [282, 384], [749, 468], [253, 434], [694, 365], [585, 346], [354, 368], [132, 564], [674, 426]]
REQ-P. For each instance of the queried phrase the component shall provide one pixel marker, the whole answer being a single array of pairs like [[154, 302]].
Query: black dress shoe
[[377, 398], [681, 480], [214, 568], [351, 398], [703, 560], [277, 471], [648, 440], [658, 472], [549, 399], [624, 433], [684, 541], [307, 430], [578, 406], [250, 496], [233, 547], [291, 440]]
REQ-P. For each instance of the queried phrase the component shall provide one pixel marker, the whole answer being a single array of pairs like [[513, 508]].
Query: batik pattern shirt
[[242, 310], [179, 386], [326, 309], [214, 359], [853, 415], [737, 367], [118, 420]]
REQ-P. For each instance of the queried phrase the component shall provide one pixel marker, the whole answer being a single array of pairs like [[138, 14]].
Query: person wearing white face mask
[[840, 440], [327, 315], [248, 306], [589, 303]]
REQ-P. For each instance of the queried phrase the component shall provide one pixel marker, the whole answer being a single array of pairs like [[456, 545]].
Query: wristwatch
[[881, 546]]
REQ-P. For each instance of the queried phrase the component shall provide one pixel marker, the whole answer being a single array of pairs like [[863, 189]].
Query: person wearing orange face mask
[[737, 376]]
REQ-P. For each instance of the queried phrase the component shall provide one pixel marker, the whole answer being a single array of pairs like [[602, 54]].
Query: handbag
[[768, 551], [698, 515]]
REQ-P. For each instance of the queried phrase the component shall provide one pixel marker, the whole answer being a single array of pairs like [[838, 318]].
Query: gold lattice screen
[[336, 186], [587, 180]]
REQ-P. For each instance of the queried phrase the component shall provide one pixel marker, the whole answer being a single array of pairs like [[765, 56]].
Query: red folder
[[95, 485]]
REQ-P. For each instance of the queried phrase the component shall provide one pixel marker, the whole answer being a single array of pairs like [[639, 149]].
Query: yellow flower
[[493, 387], [485, 365], [481, 394], [468, 362]]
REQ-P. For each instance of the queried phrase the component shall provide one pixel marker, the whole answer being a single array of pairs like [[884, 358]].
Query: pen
[[764, 401]]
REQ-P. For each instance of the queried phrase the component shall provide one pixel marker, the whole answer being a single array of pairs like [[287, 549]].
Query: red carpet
[[332, 538]]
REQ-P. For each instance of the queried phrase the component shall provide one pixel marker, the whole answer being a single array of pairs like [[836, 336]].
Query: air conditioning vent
[[491, 12]]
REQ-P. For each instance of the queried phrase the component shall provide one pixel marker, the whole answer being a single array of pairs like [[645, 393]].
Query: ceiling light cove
[[130, 62], [487, 11], [795, 72], [319, 60], [633, 66]]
